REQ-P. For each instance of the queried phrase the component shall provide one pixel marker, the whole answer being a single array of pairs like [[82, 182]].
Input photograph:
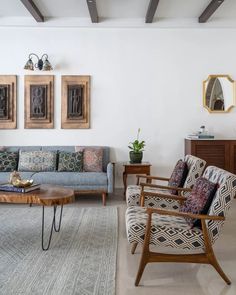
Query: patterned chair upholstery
[[175, 232], [195, 169], [170, 231]]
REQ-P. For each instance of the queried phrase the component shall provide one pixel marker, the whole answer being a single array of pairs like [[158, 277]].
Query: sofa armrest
[[110, 177]]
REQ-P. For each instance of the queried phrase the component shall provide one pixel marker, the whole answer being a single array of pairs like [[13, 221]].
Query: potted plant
[[137, 148]]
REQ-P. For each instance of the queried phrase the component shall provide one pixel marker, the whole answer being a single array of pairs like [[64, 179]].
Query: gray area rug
[[81, 259]]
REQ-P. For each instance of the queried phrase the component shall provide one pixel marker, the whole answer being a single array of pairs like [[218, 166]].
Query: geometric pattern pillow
[[8, 161], [70, 162], [92, 158], [178, 175], [37, 161], [200, 199]]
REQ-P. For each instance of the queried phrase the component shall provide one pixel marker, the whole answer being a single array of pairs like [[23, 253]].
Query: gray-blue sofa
[[81, 182]]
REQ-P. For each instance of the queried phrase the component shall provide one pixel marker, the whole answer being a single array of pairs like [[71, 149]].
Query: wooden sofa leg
[[104, 195]]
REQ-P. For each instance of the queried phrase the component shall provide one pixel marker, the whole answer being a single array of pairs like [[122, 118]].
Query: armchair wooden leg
[[211, 256], [134, 246], [104, 195], [142, 265], [145, 252], [218, 268]]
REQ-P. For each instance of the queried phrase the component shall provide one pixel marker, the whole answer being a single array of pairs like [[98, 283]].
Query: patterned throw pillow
[[200, 199], [178, 176], [37, 161], [8, 161], [92, 158], [70, 162]]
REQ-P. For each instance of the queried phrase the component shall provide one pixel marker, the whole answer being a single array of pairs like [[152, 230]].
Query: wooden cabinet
[[220, 153]]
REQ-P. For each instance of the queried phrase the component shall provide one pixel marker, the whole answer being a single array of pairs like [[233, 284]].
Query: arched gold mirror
[[218, 93]]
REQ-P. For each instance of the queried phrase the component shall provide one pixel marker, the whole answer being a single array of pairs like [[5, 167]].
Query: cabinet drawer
[[137, 170]]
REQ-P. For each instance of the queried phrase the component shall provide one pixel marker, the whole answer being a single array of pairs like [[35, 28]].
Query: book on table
[[7, 187]]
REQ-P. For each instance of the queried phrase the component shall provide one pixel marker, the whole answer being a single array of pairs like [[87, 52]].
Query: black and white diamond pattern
[[195, 167], [168, 231], [222, 201]]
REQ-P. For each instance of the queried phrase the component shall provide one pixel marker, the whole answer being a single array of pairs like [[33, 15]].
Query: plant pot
[[135, 157]]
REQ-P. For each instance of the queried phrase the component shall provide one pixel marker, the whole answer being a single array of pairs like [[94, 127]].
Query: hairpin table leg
[[53, 226]]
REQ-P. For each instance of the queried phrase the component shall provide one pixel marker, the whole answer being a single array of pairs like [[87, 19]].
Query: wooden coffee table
[[47, 195]]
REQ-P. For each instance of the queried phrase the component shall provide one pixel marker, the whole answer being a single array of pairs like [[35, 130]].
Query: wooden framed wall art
[[75, 105], [7, 102], [39, 101]]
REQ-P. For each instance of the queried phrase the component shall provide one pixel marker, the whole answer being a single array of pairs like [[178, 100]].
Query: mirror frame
[[204, 93]]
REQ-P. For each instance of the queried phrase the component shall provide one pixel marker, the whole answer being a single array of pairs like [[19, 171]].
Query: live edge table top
[[47, 195]]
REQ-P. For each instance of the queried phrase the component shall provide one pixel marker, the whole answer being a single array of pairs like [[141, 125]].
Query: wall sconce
[[41, 64]]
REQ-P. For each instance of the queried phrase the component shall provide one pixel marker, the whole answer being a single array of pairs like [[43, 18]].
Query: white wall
[[141, 77]]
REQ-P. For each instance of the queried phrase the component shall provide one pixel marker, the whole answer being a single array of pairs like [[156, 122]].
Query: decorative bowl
[[23, 182]]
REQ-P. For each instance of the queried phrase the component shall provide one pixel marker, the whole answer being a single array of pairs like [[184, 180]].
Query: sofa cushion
[[200, 199], [178, 175], [37, 161], [71, 178], [8, 161], [92, 158], [70, 162]]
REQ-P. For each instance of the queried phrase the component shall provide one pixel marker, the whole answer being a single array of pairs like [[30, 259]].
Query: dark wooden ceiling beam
[[33, 10], [211, 8], [152, 7], [92, 7]]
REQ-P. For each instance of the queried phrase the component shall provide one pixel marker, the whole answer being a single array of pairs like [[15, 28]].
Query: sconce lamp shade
[[41, 64], [47, 66], [29, 65]]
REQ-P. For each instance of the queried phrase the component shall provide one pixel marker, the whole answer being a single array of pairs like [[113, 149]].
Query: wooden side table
[[142, 168]]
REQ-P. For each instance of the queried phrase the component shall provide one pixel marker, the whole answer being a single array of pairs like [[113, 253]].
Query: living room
[[141, 75]]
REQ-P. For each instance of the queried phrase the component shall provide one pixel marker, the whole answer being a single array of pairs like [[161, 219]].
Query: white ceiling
[[118, 9]]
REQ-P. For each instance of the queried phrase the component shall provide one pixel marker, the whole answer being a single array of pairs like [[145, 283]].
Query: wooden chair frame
[[207, 257], [150, 178], [178, 197]]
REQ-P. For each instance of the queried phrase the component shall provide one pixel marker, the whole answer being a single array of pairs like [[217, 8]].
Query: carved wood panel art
[[39, 103], [75, 109], [7, 102]]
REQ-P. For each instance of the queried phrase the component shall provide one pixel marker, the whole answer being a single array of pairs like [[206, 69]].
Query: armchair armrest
[[150, 178], [165, 187], [184, 214], [110, 177]]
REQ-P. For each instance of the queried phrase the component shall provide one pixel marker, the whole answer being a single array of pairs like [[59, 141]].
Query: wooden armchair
[[169, 228], [133, 192]]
